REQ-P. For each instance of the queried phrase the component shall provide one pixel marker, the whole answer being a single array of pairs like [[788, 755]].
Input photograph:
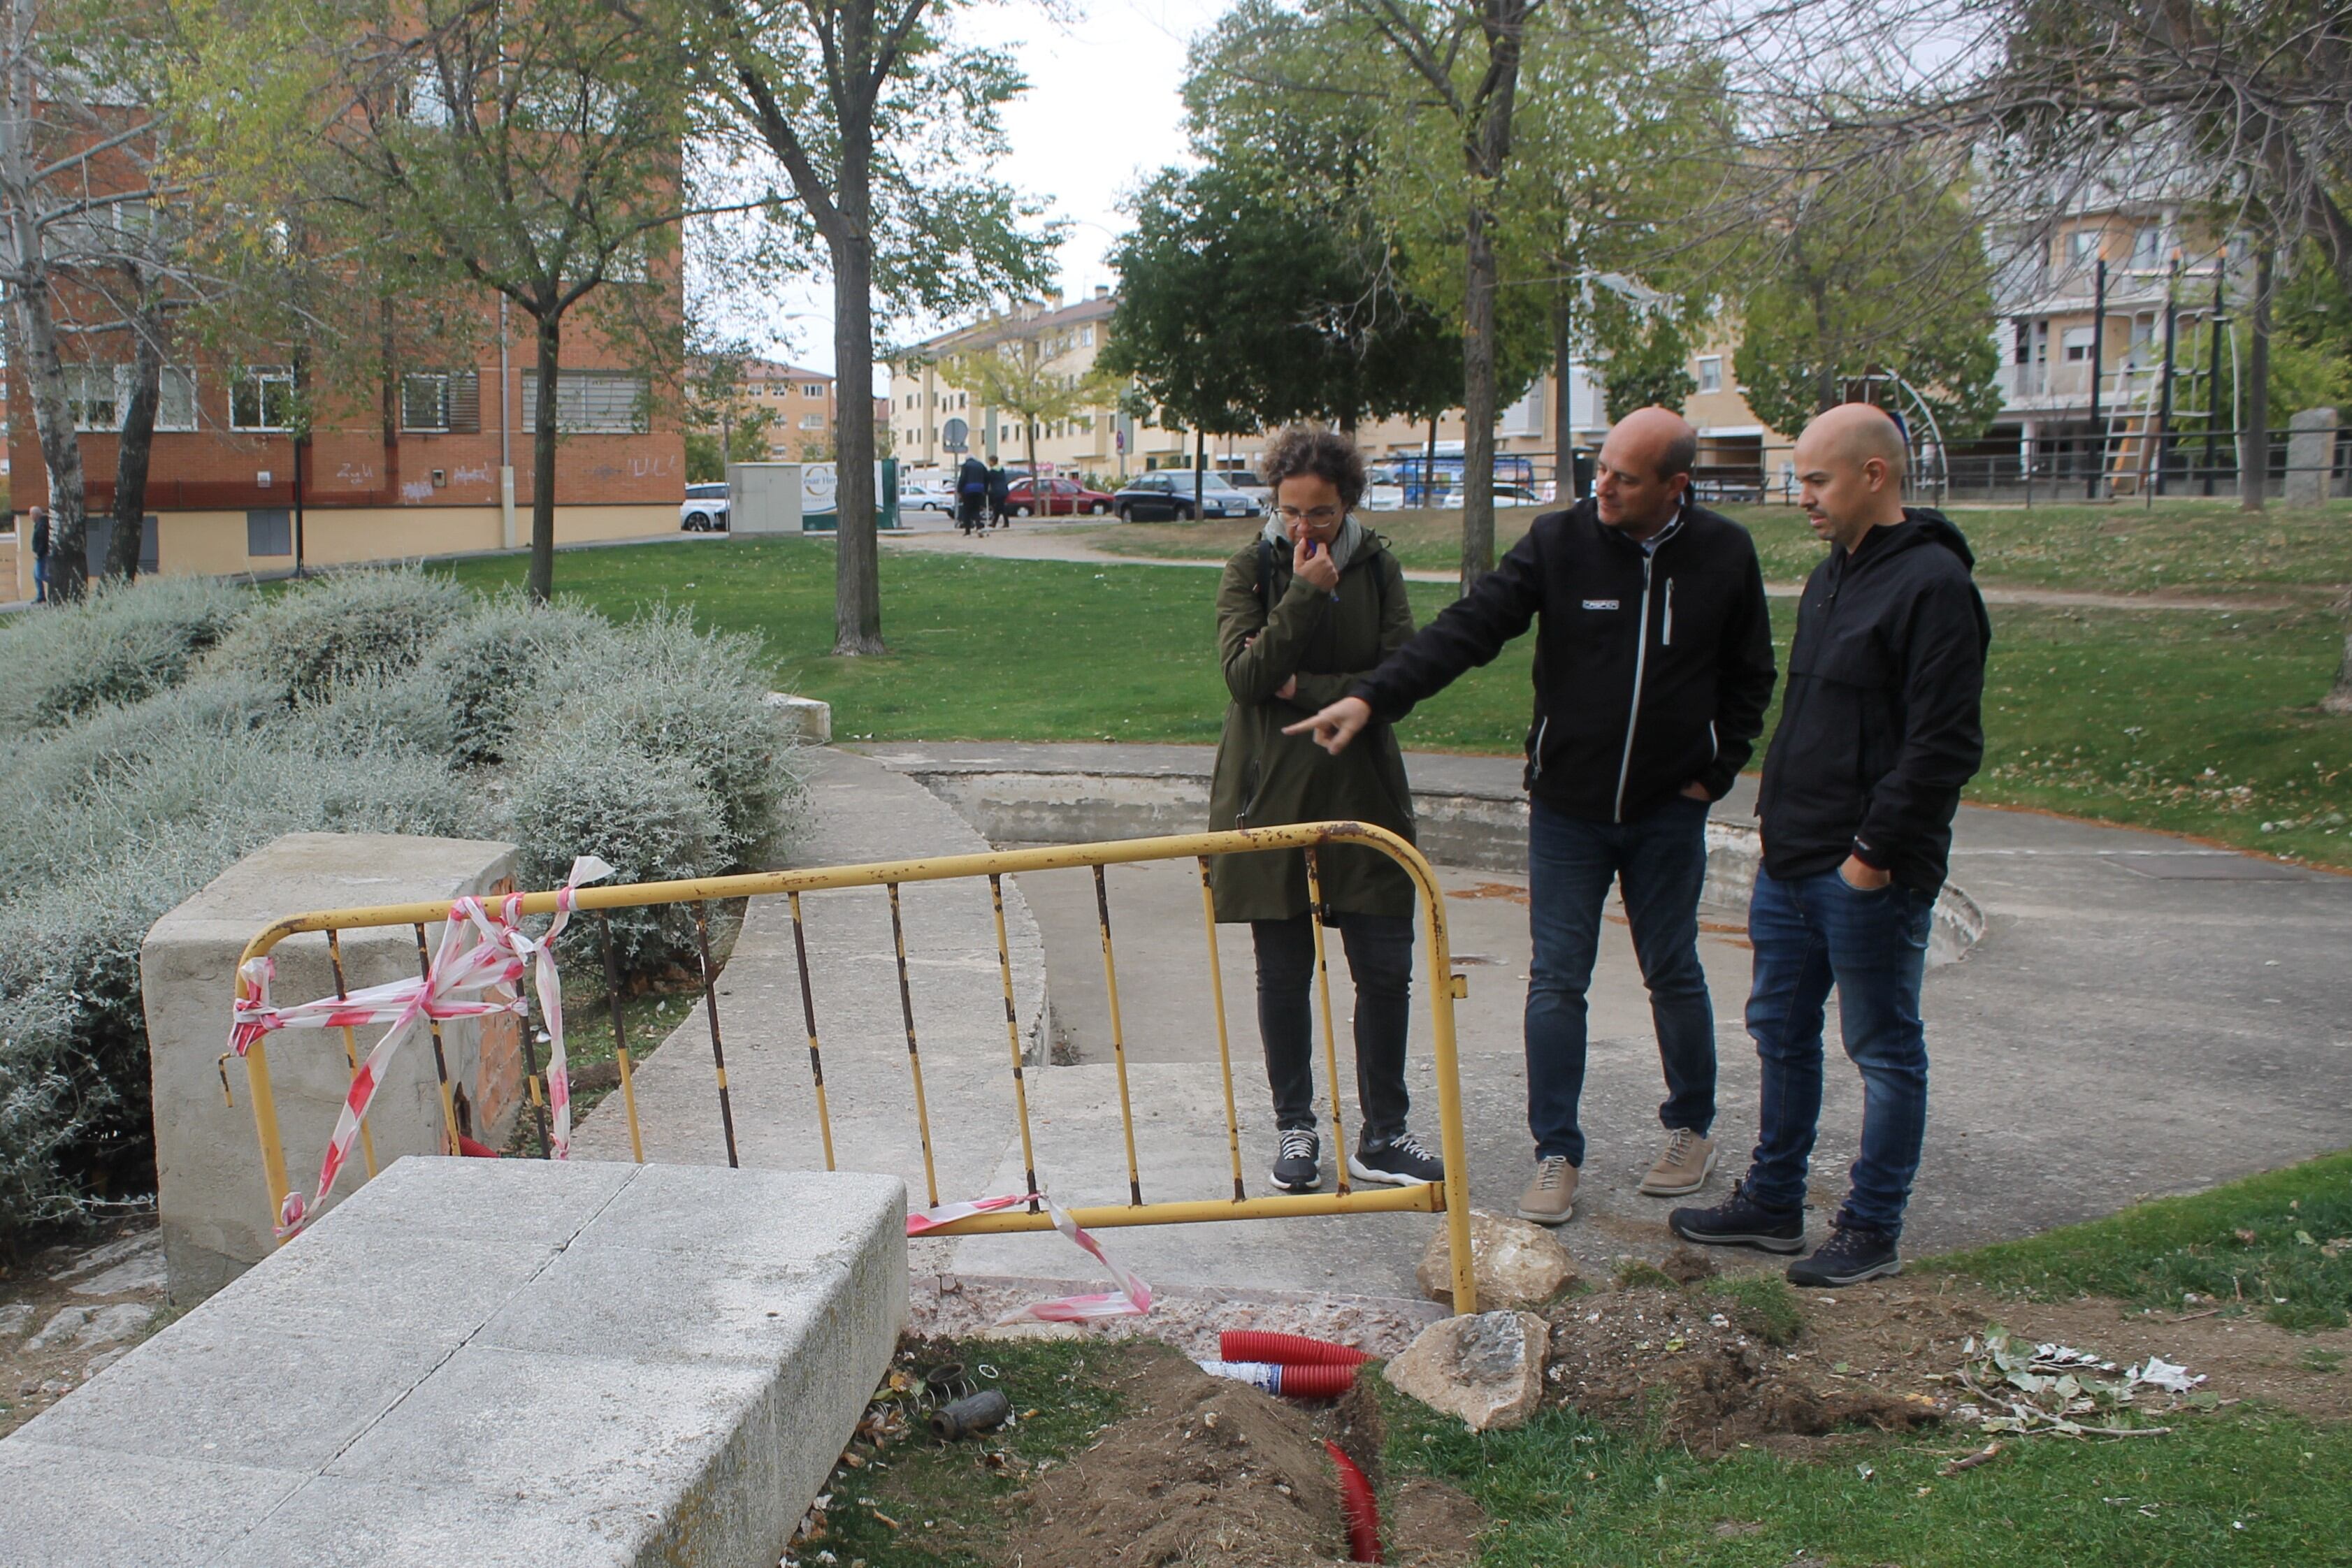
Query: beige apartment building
[[800, 405]]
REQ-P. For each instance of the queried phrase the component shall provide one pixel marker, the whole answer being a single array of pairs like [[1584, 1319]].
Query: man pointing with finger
[[1653, 668]]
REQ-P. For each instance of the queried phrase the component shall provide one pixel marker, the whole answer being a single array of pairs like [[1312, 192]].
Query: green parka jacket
[[1265, 778]]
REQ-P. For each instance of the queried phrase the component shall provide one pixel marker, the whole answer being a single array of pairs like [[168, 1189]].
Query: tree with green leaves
[[1235, 299], [854, 100], [1876, 265], [1014, 374]]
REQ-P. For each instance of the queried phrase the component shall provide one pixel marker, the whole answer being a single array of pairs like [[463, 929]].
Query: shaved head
[[1642, 470], [1859, 432], [1850, 463]]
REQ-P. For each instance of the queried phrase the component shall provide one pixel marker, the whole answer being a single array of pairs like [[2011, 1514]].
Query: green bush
[[370, 702], [118, 644]]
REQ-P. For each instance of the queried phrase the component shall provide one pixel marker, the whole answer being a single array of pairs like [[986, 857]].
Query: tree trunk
[[857, 568], [2339, 699], [138, 444], [2255, 441], [540, 583], [1200, 462], [1563, 430], [53, 424], [1478, 401]]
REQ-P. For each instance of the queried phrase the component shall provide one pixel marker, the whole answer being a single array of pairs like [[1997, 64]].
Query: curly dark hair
[[1325, 453]]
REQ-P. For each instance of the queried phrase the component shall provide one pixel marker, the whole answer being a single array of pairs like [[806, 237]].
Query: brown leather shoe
[[1684, 1169], [1550, 1195]]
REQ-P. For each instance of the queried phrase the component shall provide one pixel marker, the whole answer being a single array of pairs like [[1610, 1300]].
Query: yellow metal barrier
[[1450, 1196]]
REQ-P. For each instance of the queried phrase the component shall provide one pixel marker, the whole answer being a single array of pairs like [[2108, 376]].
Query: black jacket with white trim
[[1652, 669]]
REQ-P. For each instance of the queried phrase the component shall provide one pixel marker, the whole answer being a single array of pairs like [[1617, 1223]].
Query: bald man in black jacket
[[1879, 729]]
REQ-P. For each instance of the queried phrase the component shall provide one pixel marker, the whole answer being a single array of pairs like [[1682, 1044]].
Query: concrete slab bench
[[489, 1362]]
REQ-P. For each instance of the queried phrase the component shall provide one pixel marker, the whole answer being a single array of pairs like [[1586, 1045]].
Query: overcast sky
[[1102, 112]]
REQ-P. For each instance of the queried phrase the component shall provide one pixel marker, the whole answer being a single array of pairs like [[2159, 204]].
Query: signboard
[[955, 436], [802, 497]]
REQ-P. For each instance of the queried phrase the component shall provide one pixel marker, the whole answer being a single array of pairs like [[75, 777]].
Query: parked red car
[[1064, 498]]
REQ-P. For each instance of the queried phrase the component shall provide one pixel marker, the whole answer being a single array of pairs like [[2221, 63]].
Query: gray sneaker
[[1549, 1197], [1684, 1169]]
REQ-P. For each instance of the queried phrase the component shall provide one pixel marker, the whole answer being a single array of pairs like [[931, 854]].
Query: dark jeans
[[1380, 960], [1571, 861], [1810, 934], [40, 580]]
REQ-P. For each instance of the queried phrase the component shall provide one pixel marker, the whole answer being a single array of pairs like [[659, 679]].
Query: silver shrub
[[700, 698], [352, 626], [120, 644], [368, 702], [483, 664], [650, 817]]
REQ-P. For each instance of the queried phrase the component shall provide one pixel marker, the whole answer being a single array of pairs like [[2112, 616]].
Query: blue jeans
[[40, 580], [1571, 861], [1810, 934]]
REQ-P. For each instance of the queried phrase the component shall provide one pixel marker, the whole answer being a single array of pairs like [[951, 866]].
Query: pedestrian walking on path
[[1000, 488], [1653, 668], [40, 542], [972, 495], [1302, 611], [1880, 729]]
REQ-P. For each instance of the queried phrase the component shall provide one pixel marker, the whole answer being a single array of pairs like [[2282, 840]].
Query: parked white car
[[704, 509], [927, 496]]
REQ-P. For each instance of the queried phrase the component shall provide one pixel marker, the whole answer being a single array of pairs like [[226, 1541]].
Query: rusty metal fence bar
[[1450, 1198]]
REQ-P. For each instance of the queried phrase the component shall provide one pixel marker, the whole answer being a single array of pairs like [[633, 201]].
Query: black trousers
[[1379, 961]]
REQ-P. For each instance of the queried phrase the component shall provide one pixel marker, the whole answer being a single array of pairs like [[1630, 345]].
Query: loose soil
[[1206, 1471], [1873, 1356]]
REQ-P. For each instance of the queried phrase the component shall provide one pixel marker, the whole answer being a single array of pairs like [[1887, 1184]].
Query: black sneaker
[[1400, 1162], [1298, 1167], [1740, 1221], [1850, 1256]]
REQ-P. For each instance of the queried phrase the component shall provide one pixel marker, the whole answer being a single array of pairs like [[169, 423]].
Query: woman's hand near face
[[1316, 567]]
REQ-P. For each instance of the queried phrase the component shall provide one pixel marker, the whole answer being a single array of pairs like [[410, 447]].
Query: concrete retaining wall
[[213, 1199], [1474, 825], [489, 1361]]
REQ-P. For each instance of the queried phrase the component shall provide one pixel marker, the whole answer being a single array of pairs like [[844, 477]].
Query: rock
[[112, 1325], [1515, 1263], [122, 1249], [14, 1318], [59, 1331], [141, 1269], [1485, 1369]]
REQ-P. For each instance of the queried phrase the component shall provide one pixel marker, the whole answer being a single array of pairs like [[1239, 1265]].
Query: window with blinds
[[441, 402], [589, 402]]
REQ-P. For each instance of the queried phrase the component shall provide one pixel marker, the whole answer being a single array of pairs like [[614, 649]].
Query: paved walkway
[[2143, 1015]]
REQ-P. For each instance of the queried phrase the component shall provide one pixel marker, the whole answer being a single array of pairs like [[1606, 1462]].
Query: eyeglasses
[[1318, 516]]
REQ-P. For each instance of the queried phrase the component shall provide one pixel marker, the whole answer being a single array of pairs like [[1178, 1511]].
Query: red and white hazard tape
[[482, 946], [1133, 1299]]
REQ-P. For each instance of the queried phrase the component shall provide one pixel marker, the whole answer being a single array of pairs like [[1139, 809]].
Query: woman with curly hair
[[1303, 611]]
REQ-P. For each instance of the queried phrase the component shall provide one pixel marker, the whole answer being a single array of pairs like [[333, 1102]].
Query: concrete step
[[489, 1361]]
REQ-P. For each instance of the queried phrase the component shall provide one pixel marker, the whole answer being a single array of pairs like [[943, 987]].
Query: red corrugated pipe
[[1358, 1507], [1287, 1349]]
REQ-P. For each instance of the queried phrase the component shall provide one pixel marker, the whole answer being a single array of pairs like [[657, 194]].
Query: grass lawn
[[2193, 722], [2201, 547], [2281, 1242], [2242, 1486]]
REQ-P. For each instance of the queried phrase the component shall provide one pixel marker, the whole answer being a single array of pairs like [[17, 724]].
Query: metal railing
[[1450, 1196]]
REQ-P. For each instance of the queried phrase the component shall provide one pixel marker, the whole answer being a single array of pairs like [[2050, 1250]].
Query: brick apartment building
[[449, 472]]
